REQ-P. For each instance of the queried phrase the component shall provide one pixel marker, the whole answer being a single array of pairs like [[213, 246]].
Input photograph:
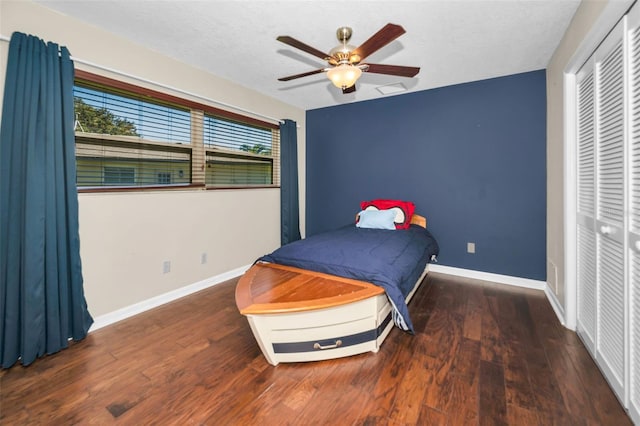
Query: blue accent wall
[[472, 157]]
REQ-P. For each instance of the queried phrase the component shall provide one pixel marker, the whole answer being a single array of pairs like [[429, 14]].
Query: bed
[[335, 294]]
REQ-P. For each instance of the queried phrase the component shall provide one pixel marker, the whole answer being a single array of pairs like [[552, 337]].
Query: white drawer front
[[322, 317], [334, 331]]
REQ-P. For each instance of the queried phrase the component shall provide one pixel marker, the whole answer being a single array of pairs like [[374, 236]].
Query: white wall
[[126, 237]]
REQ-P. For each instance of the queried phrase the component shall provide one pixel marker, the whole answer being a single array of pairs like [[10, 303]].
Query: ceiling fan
[[345, 61]]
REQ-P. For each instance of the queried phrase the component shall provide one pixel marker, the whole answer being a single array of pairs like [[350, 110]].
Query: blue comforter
[[394, 260]]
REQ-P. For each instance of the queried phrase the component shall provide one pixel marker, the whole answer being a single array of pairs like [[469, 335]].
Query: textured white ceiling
[[452, 41]]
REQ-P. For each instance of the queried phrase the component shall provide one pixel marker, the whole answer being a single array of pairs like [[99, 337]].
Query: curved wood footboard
[[268, 288]]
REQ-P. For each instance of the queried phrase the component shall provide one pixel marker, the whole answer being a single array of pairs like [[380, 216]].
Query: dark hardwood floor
[[482, 354]]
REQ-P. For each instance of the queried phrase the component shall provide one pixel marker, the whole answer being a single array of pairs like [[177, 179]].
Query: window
[[129, 136], [238, 154], [119, 176], [121, 131], [164, 178]]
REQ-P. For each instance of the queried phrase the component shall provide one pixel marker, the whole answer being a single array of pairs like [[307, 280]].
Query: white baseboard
[[145, 305], [488, 276], [506, 279], [557, 307]]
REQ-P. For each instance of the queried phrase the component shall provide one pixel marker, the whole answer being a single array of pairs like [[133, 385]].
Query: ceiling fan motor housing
[[341, 54], [344, 34]]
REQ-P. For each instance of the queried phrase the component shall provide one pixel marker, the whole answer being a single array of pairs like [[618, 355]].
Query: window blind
[[238, 154], [134, 137], [125, 140]]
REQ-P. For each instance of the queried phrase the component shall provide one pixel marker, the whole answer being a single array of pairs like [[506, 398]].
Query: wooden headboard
[[416, 219]]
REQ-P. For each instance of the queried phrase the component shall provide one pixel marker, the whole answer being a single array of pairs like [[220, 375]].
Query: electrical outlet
[[471, 248], [203, 258], [166, 267]]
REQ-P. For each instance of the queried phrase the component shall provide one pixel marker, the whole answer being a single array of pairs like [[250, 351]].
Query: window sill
[[156, 188], [100, 189]]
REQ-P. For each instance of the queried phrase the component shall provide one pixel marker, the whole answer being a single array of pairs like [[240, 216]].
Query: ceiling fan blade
[[304, 74], [393, 70], [302, 46], [386, 35], [350, 89]]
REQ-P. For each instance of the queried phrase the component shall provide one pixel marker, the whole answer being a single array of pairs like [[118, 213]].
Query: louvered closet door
[[586, 253], [633, 234], [610, 202]]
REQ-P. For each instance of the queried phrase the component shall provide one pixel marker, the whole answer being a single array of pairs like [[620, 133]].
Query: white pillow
[[377, 219]]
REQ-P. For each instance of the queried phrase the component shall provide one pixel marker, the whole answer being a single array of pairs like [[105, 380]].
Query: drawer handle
[[319, 346]]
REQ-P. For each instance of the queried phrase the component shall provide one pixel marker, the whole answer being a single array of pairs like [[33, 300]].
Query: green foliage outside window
[[255, 149], [100, 120]]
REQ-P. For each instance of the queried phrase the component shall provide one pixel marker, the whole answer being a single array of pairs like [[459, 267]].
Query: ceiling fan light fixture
[[344, 75]]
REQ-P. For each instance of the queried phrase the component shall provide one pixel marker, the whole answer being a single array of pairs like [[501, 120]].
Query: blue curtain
[[289, 211], [42, 301]]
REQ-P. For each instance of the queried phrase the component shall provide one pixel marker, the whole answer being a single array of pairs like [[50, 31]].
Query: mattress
[[391, 259]]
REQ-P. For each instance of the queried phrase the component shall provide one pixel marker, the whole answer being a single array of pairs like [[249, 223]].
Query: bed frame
[[298, 315]]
